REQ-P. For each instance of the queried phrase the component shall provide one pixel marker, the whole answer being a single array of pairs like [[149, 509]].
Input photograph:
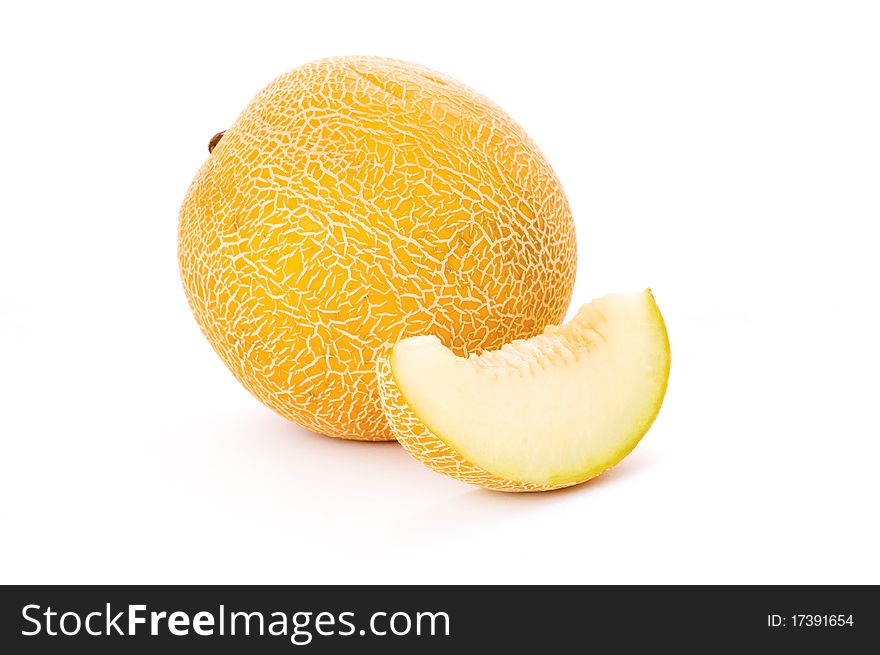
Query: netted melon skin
[[357, 201]]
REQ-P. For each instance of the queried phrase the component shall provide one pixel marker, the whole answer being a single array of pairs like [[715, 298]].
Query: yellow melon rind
[[355, 202]]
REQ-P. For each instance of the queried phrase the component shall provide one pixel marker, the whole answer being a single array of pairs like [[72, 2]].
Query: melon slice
[[538, 414]]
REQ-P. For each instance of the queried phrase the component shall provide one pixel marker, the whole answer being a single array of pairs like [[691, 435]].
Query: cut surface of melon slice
[[538, 414]]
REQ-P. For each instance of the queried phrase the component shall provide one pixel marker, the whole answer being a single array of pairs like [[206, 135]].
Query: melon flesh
[[540, 413]]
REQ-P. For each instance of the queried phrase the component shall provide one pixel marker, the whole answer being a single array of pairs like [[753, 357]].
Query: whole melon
[[357, 201]]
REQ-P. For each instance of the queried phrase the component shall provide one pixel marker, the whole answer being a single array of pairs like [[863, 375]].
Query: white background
[[725, 154]]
